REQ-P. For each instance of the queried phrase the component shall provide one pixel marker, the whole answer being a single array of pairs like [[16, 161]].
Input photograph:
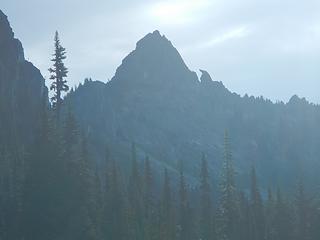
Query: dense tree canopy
[[55, 192]]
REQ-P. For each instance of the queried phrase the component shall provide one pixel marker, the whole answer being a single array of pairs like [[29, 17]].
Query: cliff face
[[22, 90]]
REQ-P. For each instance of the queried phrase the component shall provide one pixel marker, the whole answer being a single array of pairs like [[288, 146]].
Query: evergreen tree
[[244, 221], [270, 217], [71, 136], [107, 200], [115, 219], [43, 210], [107, 174], [148, 183], [302, 213], [228, 211], [167, 216], [206, 220], [185, 216], [283, 227], [148, 201], [315, 223], [135, 211], [70, 146], [97, 209], [257, 212], [89, 229], [58, 74]]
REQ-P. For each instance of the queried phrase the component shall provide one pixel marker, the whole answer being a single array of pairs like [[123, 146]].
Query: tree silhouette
[[58, 74]]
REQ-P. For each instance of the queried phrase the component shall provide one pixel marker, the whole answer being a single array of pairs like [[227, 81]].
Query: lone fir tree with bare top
[[58, 74]]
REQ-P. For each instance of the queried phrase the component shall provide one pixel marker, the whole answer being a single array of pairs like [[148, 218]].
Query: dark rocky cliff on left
[[22, 90]]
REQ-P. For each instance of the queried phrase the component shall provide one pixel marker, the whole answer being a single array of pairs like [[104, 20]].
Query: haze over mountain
[[269, 48], [155, 101]]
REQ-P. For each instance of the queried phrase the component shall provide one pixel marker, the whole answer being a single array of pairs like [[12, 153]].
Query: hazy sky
[[269, 48]]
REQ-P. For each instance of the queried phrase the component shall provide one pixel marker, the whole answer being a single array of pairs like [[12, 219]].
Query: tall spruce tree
[[116, 225], [135, 210], [167, 223], [147, 187], [106, 211], [71, 143], [244, 221], [283, 227], [270, 217], [314, 228], [206, 221], [88, 227], [257, 224], [228, 210], [44, 215], [58, 74], [302, 213], [148, 201], [185, 215]]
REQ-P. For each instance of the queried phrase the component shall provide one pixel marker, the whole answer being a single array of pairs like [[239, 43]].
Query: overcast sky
[[269, 48]]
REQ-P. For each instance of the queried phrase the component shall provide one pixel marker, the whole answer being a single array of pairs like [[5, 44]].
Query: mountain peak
[[152, 39], [155, 59]]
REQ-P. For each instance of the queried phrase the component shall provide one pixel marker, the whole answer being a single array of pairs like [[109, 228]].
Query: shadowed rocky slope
[[22, 90]]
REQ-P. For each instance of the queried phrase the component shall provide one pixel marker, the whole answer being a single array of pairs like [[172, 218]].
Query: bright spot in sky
[[238, 32], [177, 11]]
